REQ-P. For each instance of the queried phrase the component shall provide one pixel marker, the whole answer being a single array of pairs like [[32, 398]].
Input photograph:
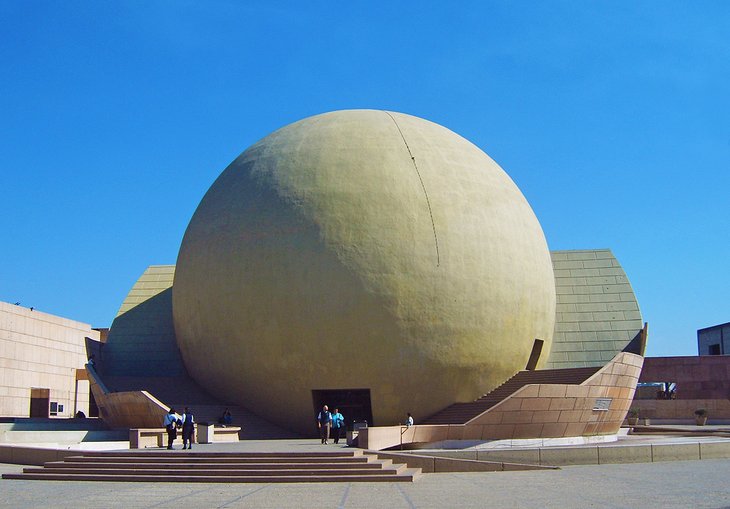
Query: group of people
[[172, 422], [327, 420], [334, 421]]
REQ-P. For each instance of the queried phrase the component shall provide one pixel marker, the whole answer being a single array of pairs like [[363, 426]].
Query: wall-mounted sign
[[602, 404]]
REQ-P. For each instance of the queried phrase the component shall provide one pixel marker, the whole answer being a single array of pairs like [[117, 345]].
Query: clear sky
[[613, 118]]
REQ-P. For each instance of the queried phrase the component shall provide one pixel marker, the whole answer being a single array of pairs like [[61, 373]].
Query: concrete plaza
[[680, 484]]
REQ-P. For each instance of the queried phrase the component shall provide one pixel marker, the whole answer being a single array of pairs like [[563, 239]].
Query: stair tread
[[214, 479]]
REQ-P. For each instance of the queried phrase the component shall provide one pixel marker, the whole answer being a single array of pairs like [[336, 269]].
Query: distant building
[[714, 340], [42, 359]]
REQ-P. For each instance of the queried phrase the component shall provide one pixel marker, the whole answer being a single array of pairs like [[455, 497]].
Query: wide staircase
[[461, 413], [260, 467]]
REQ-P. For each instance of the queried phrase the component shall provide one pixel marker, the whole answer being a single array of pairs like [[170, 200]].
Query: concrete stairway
[[461, 413], [232, 467]]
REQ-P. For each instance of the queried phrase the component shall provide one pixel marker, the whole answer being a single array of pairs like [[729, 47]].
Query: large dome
[[365, 250]]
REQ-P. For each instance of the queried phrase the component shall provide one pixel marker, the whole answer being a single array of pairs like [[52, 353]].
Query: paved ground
[[685, 484], [681, 484]]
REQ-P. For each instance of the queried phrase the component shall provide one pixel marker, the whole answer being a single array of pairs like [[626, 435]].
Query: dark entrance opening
[[93, 408], [40, 402], [534, 355], [354, 404]]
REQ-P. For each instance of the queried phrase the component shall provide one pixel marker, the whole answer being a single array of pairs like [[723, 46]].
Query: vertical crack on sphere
[[423, 186]]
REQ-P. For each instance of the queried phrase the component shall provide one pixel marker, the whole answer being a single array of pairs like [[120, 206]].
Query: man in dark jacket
[[188, 423], [324, 422]]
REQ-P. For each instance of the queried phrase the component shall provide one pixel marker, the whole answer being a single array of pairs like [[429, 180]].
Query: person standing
[[409, 421], [188, 428], [324, 422], [338, 423], [170, 423]]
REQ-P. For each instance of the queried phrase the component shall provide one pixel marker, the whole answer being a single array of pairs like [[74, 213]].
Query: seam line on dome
[[423, 186]]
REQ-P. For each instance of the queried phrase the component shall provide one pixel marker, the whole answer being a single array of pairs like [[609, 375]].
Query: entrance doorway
[[93, 408], [354, 404], [40, 402]]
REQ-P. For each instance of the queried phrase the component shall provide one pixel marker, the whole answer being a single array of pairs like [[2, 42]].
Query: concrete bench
[[139, 438], [210, 433]]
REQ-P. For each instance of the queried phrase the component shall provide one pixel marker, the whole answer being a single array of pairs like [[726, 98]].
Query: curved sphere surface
[[361, 249]]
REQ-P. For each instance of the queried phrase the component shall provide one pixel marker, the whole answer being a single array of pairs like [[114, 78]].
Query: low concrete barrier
[[139, 438], [675, 452], [628, 454], [584, 455], [714, 450], [436, 464]]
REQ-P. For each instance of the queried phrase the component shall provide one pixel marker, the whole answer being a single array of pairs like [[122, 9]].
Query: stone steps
[[337, 466], [461, 413]]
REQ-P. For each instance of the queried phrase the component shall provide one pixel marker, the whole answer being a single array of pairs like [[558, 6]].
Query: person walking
[[338, 423], [188, 428], [170, 422], [324, 422]]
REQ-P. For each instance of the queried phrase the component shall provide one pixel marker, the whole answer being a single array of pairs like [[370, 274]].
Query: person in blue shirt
[[170, 423], [338, 425], [226, 419]]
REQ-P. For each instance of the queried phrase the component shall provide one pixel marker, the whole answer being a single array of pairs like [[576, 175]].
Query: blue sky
[[612, 117]]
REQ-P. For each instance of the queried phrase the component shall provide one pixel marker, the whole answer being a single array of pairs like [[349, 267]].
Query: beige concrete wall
[[39, 350], [535, 411], [128, 409], [552, 411]]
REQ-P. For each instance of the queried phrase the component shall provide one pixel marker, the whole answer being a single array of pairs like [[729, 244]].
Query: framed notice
[[602, 404]]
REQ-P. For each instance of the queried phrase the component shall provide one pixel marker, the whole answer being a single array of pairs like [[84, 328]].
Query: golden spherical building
[[368, 259]]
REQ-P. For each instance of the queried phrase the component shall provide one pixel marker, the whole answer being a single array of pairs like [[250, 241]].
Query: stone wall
[[703, 377], [681, 410], [552, 410], [596, 407], [701, 382]]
